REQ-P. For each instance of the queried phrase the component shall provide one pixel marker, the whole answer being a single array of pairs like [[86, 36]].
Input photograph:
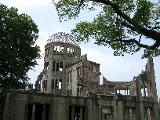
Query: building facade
[[31, 106], [69, 88], [65, 70]]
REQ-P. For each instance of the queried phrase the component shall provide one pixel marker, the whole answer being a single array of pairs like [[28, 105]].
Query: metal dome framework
[[62, 37]]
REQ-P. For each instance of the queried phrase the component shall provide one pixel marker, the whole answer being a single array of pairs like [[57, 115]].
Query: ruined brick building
[[65, 71], [69, 88]]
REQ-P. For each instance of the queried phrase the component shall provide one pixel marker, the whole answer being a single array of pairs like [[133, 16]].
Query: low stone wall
[[34, 106]]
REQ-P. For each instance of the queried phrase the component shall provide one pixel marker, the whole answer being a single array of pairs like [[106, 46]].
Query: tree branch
[[152, 47], [138, 28]]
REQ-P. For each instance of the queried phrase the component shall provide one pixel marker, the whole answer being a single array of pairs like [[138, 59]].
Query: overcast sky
[[113, 68]]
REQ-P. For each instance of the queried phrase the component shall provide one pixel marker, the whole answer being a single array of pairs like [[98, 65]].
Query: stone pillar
[[54, 87], [148, 114], [130, 114], [120, 110], [127, 91], [81, 113], [99, 112], [151, 77], [33, 112], [115, 116], [119, 91], [49, 80], [72, 113], [64, 82], [44, 112], [6, 107], [144, 91], [140, 106]]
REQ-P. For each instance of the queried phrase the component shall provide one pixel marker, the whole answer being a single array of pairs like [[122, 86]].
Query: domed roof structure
[[62, 37]]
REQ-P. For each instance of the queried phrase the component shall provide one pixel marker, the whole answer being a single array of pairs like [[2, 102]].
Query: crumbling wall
[[82, 76], [91, 71]]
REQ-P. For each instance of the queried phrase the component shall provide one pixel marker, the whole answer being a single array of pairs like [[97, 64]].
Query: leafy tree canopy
[[124, 25], [18, 53]]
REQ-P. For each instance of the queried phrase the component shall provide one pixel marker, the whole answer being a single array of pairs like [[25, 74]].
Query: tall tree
[[124, 25], [18, 52]]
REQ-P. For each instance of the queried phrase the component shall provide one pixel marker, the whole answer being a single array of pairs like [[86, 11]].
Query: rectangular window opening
[[57, 49], [57, 84], [77, 112], [44, 85], [54, 65], [57, 65], [61, 66], [60, 84], [37, 112], [46, 65], [52, 85], [62, 49]]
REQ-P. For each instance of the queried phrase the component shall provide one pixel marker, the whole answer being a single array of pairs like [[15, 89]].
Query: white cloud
[[26, 3]]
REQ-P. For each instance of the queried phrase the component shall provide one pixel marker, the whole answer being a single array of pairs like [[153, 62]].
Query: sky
[[114, 68]]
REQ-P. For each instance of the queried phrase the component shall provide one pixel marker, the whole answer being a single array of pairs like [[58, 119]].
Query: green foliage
[[125, 26], [18, 53]]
